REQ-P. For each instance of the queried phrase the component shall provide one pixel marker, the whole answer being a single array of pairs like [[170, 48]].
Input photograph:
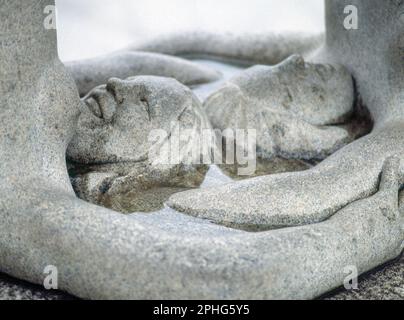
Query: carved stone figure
[[111, 153], [347, 207], [351, 173], [300, 110]]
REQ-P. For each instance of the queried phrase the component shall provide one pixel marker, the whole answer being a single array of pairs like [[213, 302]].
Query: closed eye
[[146, 103]]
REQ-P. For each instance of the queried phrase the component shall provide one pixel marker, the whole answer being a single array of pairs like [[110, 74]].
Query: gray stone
[[113, 143], [297, 108], [91, 73], [13, 289], [383, 283], [386, 283], [100, 253], [351, 173]]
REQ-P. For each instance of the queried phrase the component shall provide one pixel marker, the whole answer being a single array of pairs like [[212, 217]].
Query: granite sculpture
[[347, 211]]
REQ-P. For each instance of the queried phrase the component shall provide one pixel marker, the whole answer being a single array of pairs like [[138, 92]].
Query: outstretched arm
[[91, 73], [248, 48]]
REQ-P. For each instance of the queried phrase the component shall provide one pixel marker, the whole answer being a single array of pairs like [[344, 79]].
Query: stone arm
[[298, 198], [91, 73], [101, 254], [247, 49]]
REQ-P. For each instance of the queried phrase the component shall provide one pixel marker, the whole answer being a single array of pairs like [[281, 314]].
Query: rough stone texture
[[13, 289], [102, 254], [328, 187], [113, 152], [297, 108], [386, 283], [120, 117], [91, 73], [373, 55], [248, 48]]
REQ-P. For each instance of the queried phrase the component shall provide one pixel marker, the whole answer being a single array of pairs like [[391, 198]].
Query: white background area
[[88, 28]]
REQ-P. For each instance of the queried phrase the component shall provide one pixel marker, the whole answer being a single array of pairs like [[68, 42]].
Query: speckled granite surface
[[13, 289], [387, 283]]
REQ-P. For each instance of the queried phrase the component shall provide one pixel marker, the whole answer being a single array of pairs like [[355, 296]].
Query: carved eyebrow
[[146, 103]]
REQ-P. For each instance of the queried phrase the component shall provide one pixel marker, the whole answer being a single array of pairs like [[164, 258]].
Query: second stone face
[[297, 108]]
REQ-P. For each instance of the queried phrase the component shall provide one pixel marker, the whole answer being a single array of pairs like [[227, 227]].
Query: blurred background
[[93, 27]]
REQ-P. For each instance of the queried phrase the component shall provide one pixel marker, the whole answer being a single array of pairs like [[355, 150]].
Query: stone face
[[100, 253], [114, 139], [91, 73], [296, 107], [119, 118]]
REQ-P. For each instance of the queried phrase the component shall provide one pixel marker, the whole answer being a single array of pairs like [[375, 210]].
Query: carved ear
[[101, 103]]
